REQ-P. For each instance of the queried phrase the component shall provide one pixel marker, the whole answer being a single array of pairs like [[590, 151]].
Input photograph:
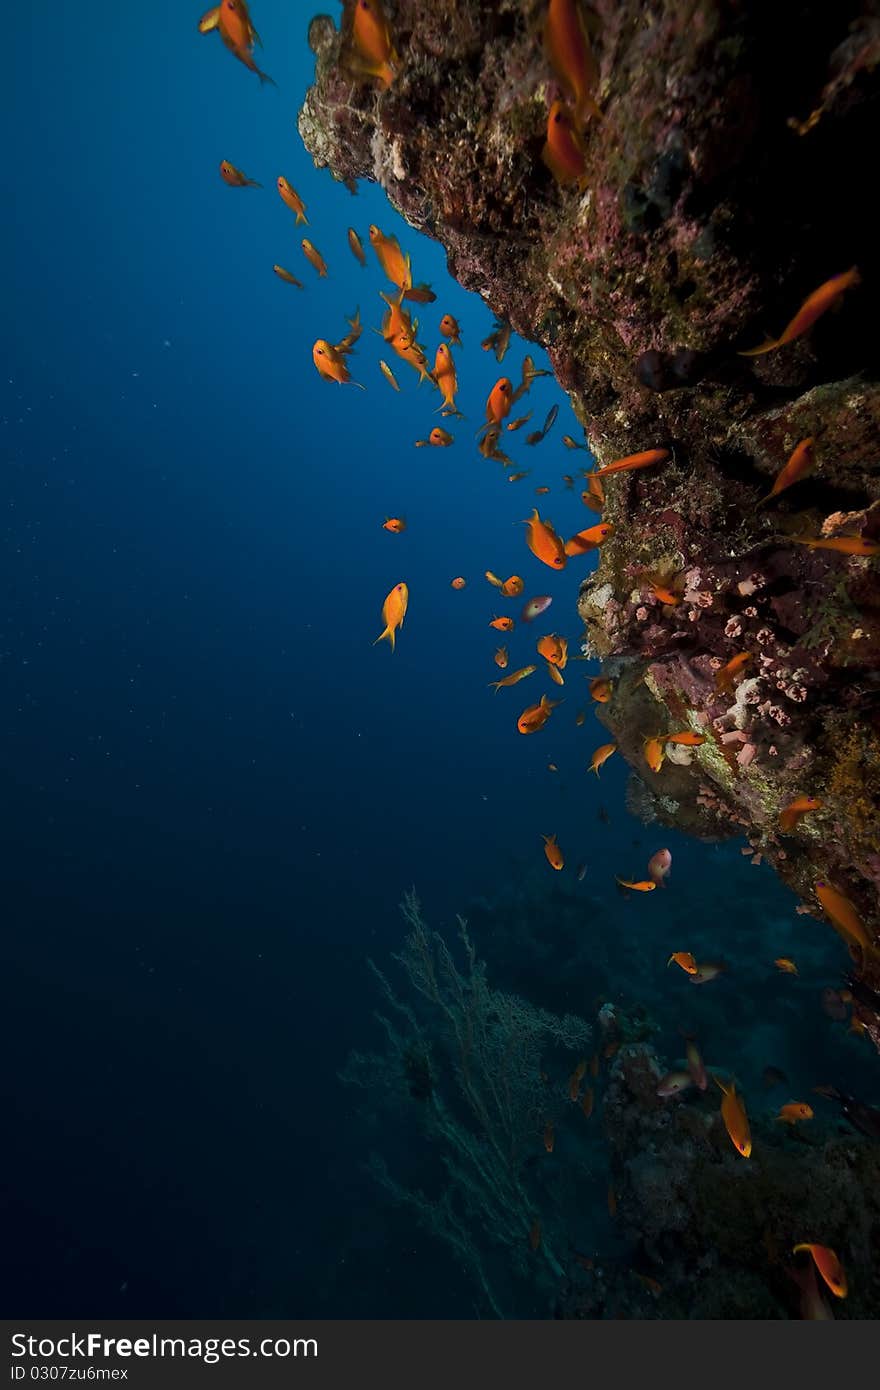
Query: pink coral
[[641, 614], [733, 627]]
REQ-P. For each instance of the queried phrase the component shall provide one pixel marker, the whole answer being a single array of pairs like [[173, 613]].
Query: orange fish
[[594, 494], [844, 545], [570, 55], [330, 360], [555, 674], [502, 624], [633, 461], [573, 444], [786, 965], [844, 917], [829, 1267], [535, 1235], [393, 613], [686, 738], [238, 34], [458, 583], [446, 379], [664, 595], [314, 257], [391, 379], [235, 178], [518, 423], [801, 806], [544, 543], [736, 1121], [501, 658], [812, 309], [641, 885], [421, 294], [798, 466], [685, 960], [450, 329], [514, 678], [706, 971], [726, 678], [553, 852], [209, 20], [498, 402], [397, 325], [438, 439], [601, 756], [590, 539], [563, 151], [536, 716], [654, 754], [794, 1112], [600, 689], [414, 355], [395, 524], [554, 650], [372, 40], [291, 198], [587, 1101], [357, 249], [541, 491], [286, 275], [549, 1136], [392, 260]]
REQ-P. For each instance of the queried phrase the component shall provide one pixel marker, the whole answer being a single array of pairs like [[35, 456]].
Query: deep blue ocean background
[[216, 789]]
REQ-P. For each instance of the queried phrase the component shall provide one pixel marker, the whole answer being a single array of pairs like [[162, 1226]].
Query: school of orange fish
[[370, 55]]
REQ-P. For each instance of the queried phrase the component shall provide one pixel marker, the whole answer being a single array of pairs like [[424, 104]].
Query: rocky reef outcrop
[[729, 175]]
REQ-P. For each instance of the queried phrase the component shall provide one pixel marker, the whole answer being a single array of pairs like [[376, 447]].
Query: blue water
[[216, 788]]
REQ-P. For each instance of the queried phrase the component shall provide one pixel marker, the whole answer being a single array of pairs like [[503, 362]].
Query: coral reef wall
[[730, 175]]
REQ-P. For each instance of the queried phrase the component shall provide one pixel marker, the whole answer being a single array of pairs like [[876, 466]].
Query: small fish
[[235, 178], [395, 524], [437, 439], [581, 872], [570, 55], [674, 1082], [541, 491], [555, 674], [502, 624], [829, 1266], [450, 329], [568, 480], [686, 738], [794, 1112], [291, 199], [553, 852], [801, 806], [705, 972], [286, 275], [593, 495], [600, 689], [209, 20], [798, 466], [696, 1066], [544, 543], [554, 650], [551, 767], [357, 248], [640, 885], [654, 753], [501, 658], [601, 756], [785, 965], [666, 596], [736, 1121], [844, 545], [458, 582], [591, 539], [536, 716], [685, 960], [529, 374], [550, 420], [238, 34], [580, 718], [549, 1137], [375, 49], [659, 866], [314, 257], [393, 613], [498, 341], [650, 1284], [518, 477], [446, 379], [573, 444], [535, 607], [564, 153], [498, 401], [518, 423], [394, 264], [612, 1202], [813, 307], [844, 917], [514, 678], [330, 361], [632, 462], [535, 1235], [388, 374], [587, 1102], [420, 294], [726, 678]]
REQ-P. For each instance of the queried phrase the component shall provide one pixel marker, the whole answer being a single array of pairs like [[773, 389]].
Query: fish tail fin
[[386, 636], [758, 351], [264, 77], [301, 218]]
